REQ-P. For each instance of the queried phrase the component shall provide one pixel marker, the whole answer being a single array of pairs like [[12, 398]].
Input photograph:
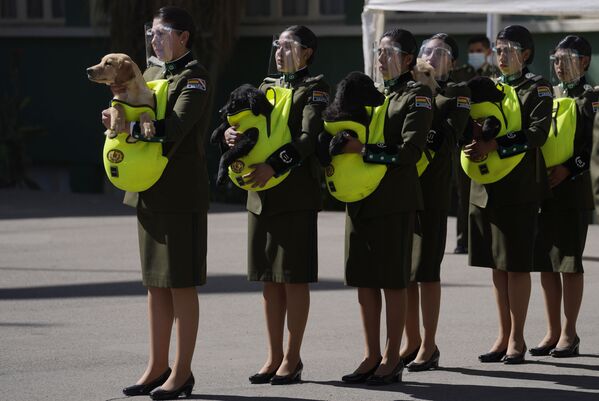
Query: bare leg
[[187, 313], [519, 295], [160, 319], [298, 307], [395, 308], [370, 307], [430, 301], [573, 289], [275, 302], [500, 284], [412, 328], [552, 292]]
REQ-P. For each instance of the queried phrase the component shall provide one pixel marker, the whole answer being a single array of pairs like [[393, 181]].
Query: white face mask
[[477, 60]]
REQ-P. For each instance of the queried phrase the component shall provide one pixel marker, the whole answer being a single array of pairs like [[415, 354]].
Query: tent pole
[[493, 22]]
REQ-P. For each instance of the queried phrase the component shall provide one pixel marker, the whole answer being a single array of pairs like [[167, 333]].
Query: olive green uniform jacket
[[407, 123], [301, 189], [183, 186], [450, 116], [527, 182]]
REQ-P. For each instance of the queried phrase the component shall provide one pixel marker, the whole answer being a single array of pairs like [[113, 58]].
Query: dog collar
[[178, 64]]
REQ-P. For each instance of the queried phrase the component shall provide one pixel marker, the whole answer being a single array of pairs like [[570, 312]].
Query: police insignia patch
[[329, 170], [115, 156], [544, 91], [237, 166], [196, 83], [320, 97], [595, 107], [423, 101], [463, 102]]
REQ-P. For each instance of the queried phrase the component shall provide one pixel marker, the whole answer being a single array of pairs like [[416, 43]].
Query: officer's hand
[[232, 135], [106, 118], [260, 176], [478, 149], [557, 174], [353, 145]]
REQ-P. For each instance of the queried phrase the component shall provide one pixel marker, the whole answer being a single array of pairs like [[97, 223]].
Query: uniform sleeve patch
[[320, 97], [196, 83], [423, 102], [595, 107], [544, 91], [463, 102]]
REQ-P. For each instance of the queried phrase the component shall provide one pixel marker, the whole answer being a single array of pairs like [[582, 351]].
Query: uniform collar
[[513, 79], [392, 84], [171, 67], [574, 89], [294, 78]]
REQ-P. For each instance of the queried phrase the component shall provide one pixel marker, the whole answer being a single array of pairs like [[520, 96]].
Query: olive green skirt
[[428, 248], [172, 247], [378, 251], [283, 248], [561, 240], [503, 238]]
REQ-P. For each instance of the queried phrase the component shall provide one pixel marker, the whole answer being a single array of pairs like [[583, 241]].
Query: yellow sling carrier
[[271, 137], [136, 166], [559, 146], [492, 168], [348, 178]]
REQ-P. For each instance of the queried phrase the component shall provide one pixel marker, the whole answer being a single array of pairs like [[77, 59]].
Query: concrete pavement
[[73, 316]]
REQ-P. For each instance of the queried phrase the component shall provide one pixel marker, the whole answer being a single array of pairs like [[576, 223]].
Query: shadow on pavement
[[468, 392], [233, 283], [214, 397], [23, 204]]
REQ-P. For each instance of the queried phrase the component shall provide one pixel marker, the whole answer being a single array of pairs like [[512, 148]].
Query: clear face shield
[[508, 57], [286, 55], [438, 54], [566, 67], [387, 61], [159, 42]]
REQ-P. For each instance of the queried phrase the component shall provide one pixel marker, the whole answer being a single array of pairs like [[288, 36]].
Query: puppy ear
[[125, 72]]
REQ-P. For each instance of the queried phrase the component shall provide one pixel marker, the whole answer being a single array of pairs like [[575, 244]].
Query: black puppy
[[483, 89], [245, 97], [353, 93]]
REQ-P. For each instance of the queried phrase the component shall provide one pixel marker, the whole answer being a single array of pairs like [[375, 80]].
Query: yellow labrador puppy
[[119, 69], [424, 73]]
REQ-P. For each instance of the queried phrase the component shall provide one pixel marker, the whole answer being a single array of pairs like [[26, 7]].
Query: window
[[32, 11], [280, 11]]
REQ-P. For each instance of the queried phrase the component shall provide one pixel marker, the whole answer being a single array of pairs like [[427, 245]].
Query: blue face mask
[[477, 60]]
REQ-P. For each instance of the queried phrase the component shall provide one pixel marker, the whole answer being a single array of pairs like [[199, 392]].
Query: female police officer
[[282, 237], [379, 228], [503, 214], [174, 208], [450, 115], [564, 218]]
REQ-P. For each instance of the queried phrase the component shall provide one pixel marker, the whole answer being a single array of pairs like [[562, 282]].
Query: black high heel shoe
[[160, 394], [145, 389], [293, 377], [432, 363], [515, 359], [393, 377], [355, 378], [262, 378], [490, 357], [411, 356], [542, 351], [572, 350]]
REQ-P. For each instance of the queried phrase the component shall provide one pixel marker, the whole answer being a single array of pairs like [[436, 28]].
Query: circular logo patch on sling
[[115, 156], [237, 166], [329, 170]]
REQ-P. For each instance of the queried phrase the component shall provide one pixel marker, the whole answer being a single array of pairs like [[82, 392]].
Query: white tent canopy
[[373, 16]]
